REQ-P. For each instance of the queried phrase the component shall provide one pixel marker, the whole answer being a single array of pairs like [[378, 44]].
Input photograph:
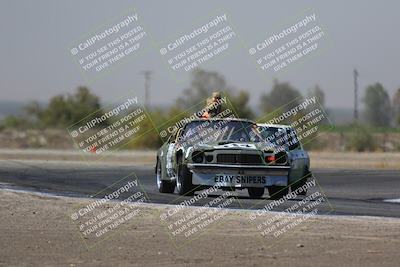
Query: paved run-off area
[[347, 192]]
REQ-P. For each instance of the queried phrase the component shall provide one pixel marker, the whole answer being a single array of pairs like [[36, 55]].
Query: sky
[[37, 36]]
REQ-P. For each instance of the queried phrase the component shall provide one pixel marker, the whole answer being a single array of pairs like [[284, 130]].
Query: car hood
[[237, 145]]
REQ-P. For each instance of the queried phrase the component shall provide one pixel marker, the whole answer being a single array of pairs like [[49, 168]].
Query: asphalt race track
[[348, 192]]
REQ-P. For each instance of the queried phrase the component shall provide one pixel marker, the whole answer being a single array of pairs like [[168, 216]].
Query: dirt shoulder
[[121, 157], [354, 160], [37, 230]]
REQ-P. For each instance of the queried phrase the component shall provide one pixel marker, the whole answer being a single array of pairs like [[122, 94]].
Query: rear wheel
[[255, 192], [300, 182], [184, 184], [163, 185], [277, 192]]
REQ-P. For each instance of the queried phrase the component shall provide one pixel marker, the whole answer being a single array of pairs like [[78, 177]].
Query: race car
[[285, 138], [228, 153]]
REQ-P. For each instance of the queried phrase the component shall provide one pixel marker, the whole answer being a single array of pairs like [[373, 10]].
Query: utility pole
[[355, 75], [147, 78]]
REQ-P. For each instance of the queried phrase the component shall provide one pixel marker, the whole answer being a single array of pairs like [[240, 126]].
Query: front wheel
[[184, 184], [163, 185], [277, 192], [255, 192]]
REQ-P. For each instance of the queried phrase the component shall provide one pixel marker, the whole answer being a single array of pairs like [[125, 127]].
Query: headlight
[[198, 157], [209, 158]]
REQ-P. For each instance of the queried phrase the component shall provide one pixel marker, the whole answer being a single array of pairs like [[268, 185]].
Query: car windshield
[[274, 135], [220, 131]]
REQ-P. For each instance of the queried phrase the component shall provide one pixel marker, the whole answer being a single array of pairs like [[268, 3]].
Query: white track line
[[393, 200]]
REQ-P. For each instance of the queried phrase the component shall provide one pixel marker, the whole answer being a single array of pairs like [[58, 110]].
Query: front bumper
[[238, 176]]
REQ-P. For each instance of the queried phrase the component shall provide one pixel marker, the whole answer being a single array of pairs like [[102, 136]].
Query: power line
[[355, 75]]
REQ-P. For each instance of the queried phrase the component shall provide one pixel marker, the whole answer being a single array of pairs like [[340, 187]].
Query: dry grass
[[353, 160]]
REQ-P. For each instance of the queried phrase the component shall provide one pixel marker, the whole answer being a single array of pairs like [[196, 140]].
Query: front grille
[[239, 159]]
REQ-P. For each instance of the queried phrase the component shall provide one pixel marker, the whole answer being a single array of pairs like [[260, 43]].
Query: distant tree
[[13, 122], [396, 107], [202, 85], [63, 111], [148, 136], [282, 98], [33, 112], [377, 105], [57, 113], [361, 139], [240, 103], [33, 109], [319, 94], [83, 103]]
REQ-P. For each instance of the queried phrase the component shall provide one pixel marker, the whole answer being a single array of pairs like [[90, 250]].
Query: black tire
[[163, 185], [184, 184], [277, 192], [302, 181], [256, 192]]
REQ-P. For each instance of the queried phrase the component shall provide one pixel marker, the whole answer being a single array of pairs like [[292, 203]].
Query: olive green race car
[[230, 154]]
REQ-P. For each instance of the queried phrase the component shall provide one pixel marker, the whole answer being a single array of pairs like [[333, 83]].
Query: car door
[[304, 158], [296, 156]]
